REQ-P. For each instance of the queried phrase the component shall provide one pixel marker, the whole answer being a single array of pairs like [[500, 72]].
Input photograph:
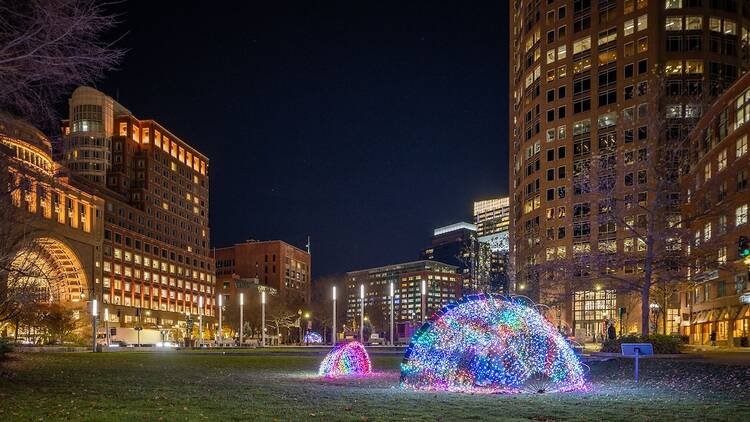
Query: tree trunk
[[646, 289]]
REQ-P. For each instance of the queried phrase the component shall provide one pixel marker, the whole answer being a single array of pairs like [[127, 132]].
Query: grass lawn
[[184, 386]]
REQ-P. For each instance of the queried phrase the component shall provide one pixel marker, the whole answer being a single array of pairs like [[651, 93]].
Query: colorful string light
[[493, 344], [346, 359], [313, 337]]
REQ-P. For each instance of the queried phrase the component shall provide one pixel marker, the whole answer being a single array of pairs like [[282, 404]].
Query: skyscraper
[[585, 79], [492, 219]]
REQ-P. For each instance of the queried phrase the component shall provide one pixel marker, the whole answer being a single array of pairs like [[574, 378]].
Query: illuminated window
[[673, 4], [629, 27], [694, 66], [722, 159], [123, 129], [642, 22], [714, 24], [581, 45], [673, 67], [693, 22], [741, 146], [673, 23]]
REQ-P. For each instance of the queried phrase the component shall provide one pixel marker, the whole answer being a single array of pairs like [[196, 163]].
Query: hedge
[[668, 344]]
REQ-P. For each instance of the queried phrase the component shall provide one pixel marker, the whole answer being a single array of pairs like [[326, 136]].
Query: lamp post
[[242, 305], [362, 313], [391, 313], [263, 317], [307, 318], [94, 314], [200, 319], [106, 325], [424, 298], [220, 336], [333, 328], [299, 314]]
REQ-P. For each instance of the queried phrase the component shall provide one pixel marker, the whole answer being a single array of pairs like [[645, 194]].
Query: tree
[[48, 47], [60, 322]]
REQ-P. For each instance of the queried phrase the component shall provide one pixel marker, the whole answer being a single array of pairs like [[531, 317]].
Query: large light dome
[[490, 343]]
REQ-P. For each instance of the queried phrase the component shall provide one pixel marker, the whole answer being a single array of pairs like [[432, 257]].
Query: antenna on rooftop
[[308, 245]]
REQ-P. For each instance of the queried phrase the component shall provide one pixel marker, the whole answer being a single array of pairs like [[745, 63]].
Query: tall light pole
[[263, 316], [333, 328], [106, 325], [362, 313], [242, 305], [94, 314], [424, 298], [391, 313], [221, 337], [200, 319]]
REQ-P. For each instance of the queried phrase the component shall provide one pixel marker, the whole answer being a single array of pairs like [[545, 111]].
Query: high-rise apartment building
[[157, 264], [273, 263], [583, 81]]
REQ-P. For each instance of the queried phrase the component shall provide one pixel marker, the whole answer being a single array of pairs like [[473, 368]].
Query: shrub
[[5, 348], [668, 344]]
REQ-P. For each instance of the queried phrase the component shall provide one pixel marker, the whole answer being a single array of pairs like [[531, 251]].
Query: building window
[[740, 214], [741, 146]]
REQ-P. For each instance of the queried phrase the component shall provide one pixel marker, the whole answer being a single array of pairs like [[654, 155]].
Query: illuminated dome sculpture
[[493, 344], [313, 337], [346, 359]]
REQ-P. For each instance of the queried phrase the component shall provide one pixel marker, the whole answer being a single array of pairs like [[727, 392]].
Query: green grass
[[184, 386]]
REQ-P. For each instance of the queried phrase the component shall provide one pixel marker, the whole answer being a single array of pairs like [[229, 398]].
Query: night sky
[[364, 124]]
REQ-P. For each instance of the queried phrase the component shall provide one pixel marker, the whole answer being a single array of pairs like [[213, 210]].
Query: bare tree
[[627, 222], [47, 47]]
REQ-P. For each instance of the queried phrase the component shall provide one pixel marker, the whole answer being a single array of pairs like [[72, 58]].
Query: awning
[[714, 315], [744, 312], [701, 318]]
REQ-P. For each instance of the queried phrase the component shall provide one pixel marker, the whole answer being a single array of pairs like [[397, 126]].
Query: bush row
[[663, 344]]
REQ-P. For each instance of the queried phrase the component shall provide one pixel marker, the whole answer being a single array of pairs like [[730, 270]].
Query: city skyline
[[434, 113]]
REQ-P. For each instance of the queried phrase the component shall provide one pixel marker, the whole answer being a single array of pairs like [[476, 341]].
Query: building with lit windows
[[156, 257], [579, 86], [492, 219], [715, 303], [51, 230], [442, 283], [272, 263]]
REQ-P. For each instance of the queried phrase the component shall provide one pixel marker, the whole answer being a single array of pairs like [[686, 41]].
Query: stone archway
[[48, 269]]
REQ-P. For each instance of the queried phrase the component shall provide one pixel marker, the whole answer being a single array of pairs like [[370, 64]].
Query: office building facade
[[586, 79], [442, 283], [715, 300]]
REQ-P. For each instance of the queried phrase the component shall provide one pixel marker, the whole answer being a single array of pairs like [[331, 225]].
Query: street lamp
[[106, 325], [221, 337], [391, 313], [333, 330], [263, 316], [362, 313], [307, 318], [424, 298], [242, 305], [200, 319], [94, 314]]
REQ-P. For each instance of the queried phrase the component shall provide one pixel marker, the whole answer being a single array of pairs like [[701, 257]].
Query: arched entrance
[[47, 270]]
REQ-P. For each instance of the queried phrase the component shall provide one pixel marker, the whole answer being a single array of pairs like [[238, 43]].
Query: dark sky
[[364, 124]]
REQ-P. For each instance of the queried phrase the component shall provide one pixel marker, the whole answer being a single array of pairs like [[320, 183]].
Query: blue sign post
[[637, 349]]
